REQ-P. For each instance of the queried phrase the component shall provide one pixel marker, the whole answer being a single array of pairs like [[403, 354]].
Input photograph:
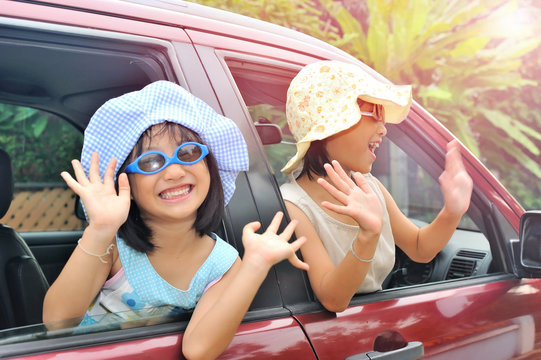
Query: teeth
[[373, 145], [179, 192]]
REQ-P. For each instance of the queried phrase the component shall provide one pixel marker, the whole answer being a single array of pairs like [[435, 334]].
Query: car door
[[104, 55], [466, 302]]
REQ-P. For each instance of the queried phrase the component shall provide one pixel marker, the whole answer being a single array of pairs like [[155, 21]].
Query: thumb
[[250, 228]]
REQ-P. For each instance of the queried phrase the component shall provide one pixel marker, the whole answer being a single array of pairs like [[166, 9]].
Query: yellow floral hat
[[322, 101]]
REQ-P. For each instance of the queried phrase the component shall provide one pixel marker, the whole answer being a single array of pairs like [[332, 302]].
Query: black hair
[[209, 215], [315, 158]]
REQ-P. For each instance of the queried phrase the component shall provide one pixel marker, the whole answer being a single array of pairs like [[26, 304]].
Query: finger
[[295, 261], [342, 173], [275, 223], [296, 245], [338, 181], [453, 144], [110, 173], [79, 172], [453, 158], [334, 192], [335, 208], [453, 163], [289, 230], [71, 182], [250, 228], [94, 170], [362, 183], [124, 187]]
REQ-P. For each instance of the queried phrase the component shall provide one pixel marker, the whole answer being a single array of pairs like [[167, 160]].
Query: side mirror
[[530, 240], [268, 133]]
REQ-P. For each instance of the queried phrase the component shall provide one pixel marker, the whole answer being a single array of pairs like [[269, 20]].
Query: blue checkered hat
[[118, 124]]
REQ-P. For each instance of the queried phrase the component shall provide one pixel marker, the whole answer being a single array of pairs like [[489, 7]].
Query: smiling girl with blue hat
[[157, 168]]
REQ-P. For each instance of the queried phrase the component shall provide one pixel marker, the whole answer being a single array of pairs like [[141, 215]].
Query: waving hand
[[104, 207], [357, 198], [456, 184]]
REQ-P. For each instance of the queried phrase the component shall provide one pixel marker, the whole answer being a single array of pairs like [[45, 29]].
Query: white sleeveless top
[[337, 236]]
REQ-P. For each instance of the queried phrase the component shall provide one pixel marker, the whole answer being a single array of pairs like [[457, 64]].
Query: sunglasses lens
[[379, 112], [189, 153], [151, 162]]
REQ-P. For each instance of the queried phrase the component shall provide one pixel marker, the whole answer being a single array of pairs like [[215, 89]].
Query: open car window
[[42, 201], [411, 177], [42, 119]]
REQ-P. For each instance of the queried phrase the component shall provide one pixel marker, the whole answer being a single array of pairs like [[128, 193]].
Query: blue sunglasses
[[155, 161]]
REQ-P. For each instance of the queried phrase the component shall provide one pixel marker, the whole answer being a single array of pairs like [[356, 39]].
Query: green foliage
[[300, 15], [474, 65], [41, 145], [466, 60]]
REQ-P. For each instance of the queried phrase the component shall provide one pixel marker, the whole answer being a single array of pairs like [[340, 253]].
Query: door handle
[[412, 351]]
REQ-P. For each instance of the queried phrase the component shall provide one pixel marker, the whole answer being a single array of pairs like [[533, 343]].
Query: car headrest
[[6, 183]]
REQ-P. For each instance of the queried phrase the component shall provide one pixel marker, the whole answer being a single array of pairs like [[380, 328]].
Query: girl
[[337, 113], [149, 246]]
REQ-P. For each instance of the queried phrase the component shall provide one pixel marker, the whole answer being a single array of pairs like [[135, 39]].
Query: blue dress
[[137, 292]]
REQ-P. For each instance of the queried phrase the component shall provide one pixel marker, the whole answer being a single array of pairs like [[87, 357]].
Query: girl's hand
[[104, 207], [456, 185], [270, 247], [357, 197]]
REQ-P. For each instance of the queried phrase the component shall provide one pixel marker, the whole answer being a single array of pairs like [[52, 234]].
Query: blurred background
[[474, 64]]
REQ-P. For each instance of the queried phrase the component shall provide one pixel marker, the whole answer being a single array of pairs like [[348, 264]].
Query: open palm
[[103, 206], [456, 184], [357, 198], [270, 247]]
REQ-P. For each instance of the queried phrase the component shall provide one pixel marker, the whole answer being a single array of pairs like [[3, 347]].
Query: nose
[[173, 172], [382, 130]]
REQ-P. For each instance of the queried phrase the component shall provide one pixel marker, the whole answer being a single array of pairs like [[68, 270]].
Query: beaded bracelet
[[357, 256], [109, 248]]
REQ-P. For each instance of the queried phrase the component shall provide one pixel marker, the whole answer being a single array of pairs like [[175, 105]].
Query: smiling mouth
[[373, 146], [174, 193]]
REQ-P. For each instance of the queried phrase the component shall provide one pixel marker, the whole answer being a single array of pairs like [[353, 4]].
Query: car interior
[[23, 287]]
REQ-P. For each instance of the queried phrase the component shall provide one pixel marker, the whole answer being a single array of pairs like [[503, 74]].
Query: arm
[[421, 245], [334, 286], [221, 309], [83, 275]]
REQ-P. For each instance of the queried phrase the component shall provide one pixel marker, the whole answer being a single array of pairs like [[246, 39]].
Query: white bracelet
[[357, 256], [109, 248]]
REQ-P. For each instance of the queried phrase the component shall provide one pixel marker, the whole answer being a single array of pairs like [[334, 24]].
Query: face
[[174, 193], [355, 148]]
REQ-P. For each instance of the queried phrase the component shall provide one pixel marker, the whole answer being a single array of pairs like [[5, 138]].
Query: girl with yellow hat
[[338, 113]]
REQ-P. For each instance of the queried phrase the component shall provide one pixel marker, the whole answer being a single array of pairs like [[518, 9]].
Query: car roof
[[63, 72], [195, 16]]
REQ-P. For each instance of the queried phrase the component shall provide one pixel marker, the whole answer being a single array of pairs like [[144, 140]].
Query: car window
[[76, 74], [40, 145], [415, 189], [263, 88]]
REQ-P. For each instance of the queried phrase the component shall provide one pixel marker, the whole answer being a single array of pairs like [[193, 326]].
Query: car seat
[[22, 282]]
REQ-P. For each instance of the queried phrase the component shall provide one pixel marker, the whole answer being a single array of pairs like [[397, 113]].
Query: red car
[[61, 59]]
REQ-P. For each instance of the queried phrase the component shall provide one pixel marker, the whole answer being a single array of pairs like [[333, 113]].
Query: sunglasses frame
[[133, 167], [378, 115]]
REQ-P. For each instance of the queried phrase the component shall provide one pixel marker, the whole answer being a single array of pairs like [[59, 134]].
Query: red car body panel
[[445, 320], [270, 339]]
